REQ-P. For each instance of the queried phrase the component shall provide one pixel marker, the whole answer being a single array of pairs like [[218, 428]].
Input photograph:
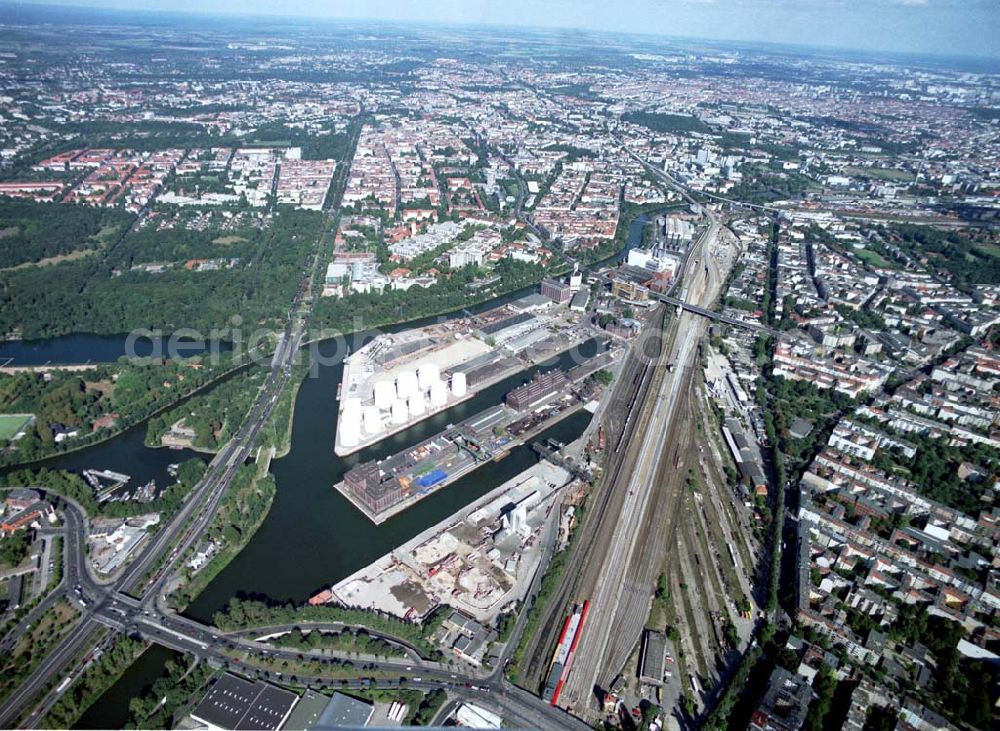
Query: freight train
[[562, 658]]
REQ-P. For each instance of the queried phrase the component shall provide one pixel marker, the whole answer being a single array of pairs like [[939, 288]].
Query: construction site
[[478, 561]]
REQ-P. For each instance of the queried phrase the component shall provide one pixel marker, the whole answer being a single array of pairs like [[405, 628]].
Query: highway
[[133, 603], [103, 609], [183, 529]]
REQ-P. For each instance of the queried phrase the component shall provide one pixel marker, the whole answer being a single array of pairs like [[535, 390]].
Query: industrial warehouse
[[478, 561], [400, 379], [383, 488]]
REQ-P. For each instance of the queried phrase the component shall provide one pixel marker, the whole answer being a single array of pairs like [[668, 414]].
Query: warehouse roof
[[344, 711], [235, 703]]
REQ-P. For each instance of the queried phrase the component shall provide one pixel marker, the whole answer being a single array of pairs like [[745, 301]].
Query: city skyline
[[419, 371], [930, 27]]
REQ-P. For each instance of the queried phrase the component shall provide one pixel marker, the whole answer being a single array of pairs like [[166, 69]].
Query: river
[[312, 537], [88, 348], [111, 710]]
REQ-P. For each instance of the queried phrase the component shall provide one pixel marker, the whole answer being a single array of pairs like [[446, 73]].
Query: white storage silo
[[384, 393], [399, 412], [349, 430], [372, 420], [427, 374], [406, 384], [458, 384], [417, 404], [439, 394]]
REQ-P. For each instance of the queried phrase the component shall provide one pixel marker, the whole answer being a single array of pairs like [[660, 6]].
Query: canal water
[[87, 348], [111, 709], [126, 453], [312, 537]]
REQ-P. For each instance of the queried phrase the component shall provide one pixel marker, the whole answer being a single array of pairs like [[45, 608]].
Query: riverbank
[[241, 513], [122, 425], [111, 709], [285, 412], [191, 447], [94, 682]]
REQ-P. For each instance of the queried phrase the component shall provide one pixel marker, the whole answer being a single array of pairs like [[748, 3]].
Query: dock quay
[[400, 379], [382, 488], [478, 560], [547, 453], [97, 479]]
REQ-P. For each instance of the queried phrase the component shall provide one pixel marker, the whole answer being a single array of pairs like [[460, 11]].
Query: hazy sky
[[961, 27]]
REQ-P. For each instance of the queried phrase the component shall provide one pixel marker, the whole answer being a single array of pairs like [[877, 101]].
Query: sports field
[[11, 424]]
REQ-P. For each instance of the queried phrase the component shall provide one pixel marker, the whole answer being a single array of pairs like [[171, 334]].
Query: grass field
[[11, 424], [874, 258], [989, 250], [50, 260], [880, 173]]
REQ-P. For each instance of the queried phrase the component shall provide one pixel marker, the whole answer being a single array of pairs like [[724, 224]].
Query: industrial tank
[[439, 394], [458, 384], [406, 384], [372, 420], [399, 412], [417, 404], [384, 393], [349, 430], [428, 374]]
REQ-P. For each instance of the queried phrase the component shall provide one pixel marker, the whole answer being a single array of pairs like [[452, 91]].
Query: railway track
[[656, 536], [653, 420], [634, 381], [617, 549], [619, 580]]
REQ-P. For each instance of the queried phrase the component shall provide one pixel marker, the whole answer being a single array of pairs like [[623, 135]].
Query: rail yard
[[656, 512]]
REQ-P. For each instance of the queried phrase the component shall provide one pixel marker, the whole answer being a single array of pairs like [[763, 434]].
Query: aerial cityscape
[[381, 373]]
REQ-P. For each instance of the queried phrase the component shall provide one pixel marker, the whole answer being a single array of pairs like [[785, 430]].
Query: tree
[[661, 586], [13, 548], [824, 686], [880, 718], [604, 377]]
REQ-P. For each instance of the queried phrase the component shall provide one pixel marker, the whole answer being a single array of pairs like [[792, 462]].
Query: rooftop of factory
[[235, 703]]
